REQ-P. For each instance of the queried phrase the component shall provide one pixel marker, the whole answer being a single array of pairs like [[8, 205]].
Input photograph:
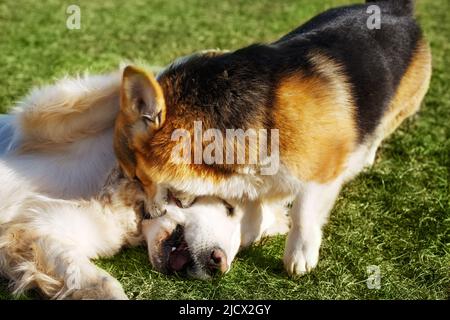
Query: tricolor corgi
[[328, 92]]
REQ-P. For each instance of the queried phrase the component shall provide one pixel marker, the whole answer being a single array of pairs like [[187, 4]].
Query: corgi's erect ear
[[142, 98]]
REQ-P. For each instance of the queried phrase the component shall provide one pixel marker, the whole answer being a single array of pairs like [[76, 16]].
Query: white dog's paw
[[301, 256], [104, 288]]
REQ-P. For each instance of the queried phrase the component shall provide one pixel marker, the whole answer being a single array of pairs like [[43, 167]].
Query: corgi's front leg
[[156, 206], [309, 213]]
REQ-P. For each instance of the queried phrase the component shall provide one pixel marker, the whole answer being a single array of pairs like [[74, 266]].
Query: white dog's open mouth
[[177, 258], [176, 252]]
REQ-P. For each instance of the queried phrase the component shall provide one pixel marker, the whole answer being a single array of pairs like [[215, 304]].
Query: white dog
[[63, 203]]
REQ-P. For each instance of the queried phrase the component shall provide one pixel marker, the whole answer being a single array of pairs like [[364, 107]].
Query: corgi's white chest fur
[[243, 185], [248, 184]]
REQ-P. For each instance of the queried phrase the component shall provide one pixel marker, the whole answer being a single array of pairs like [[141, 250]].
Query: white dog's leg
[[309, 213], [68, 110], [80, 278], [83, 280], [54, 266], [67, 129], [50, 243]]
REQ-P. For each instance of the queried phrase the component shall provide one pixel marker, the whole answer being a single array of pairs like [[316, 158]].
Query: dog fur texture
[[334, 89], [65, 202], [333, 93]]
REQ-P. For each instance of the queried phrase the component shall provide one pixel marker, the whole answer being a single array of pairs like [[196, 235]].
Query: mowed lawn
[[395, 216]]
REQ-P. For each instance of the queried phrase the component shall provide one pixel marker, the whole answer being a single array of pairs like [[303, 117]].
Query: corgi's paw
[[301, 255], [156, 207]]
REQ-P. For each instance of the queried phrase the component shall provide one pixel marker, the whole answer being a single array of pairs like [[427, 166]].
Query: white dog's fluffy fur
[[56, 213]]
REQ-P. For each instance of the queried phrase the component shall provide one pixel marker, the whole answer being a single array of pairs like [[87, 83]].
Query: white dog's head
[[203, 240]]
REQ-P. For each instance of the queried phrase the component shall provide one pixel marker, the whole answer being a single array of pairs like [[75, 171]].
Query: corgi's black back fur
[[237, 87], [375, 60]]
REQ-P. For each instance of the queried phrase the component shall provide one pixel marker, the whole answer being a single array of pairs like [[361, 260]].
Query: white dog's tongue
[[179, 258]]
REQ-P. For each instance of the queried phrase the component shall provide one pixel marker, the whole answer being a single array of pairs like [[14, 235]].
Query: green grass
[[395, 215]]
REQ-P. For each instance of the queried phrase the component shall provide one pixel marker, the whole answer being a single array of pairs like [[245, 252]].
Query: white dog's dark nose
[[217, 261]]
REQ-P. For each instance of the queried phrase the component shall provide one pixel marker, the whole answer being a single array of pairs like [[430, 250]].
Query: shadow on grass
[[266, 255], [5, 293]]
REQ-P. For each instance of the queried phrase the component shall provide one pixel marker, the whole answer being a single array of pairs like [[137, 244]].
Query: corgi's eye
[[183, 202], [230, 208], [142, 208], [178, 203]]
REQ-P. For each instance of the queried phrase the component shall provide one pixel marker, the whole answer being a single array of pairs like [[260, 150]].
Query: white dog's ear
[[142, 98]]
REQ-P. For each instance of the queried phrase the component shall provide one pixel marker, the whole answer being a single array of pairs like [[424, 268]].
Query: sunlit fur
[[55, 157], [208, 226], [332, 87], [64, 203]]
